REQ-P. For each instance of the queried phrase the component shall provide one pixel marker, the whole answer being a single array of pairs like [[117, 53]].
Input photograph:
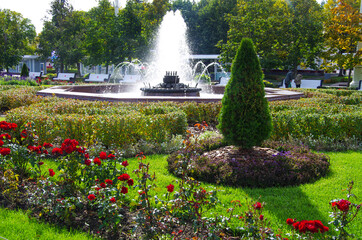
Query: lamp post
[[357, 72]]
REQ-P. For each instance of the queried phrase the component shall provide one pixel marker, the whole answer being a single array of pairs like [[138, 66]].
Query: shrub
[[244, 118], [288, 166], [24, 71]]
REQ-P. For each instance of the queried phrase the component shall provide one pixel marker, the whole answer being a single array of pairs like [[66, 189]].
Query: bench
[[97, 77], [305, 83], [70, 77], [360, 85], [131, 78], [35, 75]]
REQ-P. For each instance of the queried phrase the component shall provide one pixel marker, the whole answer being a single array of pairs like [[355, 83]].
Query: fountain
[[170, 62]]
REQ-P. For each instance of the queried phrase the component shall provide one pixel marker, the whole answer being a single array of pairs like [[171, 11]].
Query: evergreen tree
[[24, 71], [244, 119]]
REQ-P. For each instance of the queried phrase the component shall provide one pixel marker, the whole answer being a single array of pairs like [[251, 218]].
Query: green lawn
[[308, 201]]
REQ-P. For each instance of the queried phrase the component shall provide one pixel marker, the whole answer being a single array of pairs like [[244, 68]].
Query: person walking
[[298, 80]]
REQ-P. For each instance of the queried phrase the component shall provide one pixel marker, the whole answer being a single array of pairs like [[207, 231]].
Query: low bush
[[287, 165], [113, 125]]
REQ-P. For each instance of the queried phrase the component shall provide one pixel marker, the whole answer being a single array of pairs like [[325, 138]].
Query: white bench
[[305, 84], [131, 78], [311, 83], [97, 77], [70, 77], [35, 75]]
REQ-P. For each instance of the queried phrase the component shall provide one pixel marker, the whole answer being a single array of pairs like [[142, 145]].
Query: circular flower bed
[[274, 165]]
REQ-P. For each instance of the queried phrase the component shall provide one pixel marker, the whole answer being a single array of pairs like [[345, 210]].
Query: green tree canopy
[[286, 33], [16, 36]]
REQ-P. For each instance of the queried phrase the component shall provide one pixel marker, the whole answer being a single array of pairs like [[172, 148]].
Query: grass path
[[308, 201]]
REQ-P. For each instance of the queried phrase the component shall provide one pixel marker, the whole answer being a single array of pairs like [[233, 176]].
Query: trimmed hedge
[[106, 123]]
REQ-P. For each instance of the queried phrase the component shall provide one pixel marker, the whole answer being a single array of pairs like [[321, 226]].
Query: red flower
[[103, 185], [124, 190], [56, 151], [109, 181], [261, 217], [125, 163], [1, 143], [7, 126], [313, 226], [170, 188], [113, 200], [87, 162], [97, 161], [45, 151], [124, 177], [5, 151], [24, 134], [103, 155], [47, 145], [343, 205], [5, 135], [257, 205], [111, 156], [69, 145], [51, 172], [40, 163], [130, 182], [290, 221], [91, 197]]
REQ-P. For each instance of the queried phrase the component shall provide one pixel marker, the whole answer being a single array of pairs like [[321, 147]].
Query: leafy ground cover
[[309, 201]]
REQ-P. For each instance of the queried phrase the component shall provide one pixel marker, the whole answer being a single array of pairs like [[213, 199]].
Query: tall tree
[[16, 35], [285, 33], [53, 36], [342, 33], [103, 39]]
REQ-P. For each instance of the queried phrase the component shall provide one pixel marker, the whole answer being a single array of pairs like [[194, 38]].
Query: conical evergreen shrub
[[24, 71], [245, 119]]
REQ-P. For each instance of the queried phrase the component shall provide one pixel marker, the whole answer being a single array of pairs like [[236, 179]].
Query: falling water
[[171, 51]]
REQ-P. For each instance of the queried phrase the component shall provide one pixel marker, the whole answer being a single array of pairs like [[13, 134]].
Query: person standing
[[288, 79], [298, 80]]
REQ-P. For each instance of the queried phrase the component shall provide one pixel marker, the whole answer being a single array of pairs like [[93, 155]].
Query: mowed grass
[[16, 225], [305, 202]]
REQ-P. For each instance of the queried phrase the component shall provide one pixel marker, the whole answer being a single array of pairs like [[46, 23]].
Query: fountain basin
[[122, 93]]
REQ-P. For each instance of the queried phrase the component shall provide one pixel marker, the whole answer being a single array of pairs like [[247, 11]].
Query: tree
[[286, 33], [244, 119], [53, 36], [103, 42], [24, 71], [16, 35], [342, 33]]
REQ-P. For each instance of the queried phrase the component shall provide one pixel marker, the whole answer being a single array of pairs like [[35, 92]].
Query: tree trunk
[[349, 76], [78, 68], [61, 67], [340, 74]]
